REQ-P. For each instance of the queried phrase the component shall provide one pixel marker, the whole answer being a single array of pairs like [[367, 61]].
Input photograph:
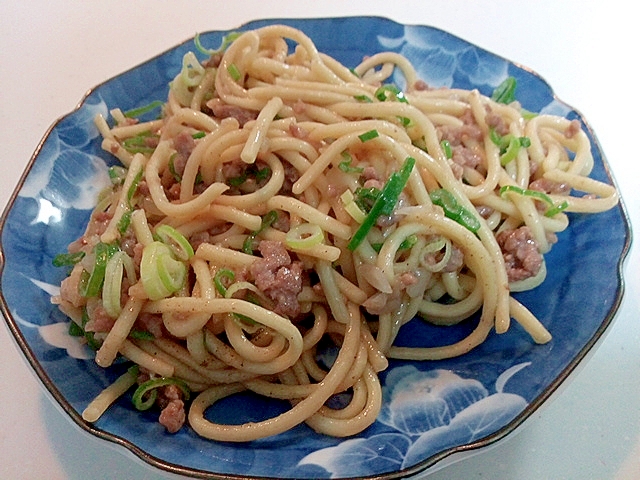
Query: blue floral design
[[445, 64], [429, 412]]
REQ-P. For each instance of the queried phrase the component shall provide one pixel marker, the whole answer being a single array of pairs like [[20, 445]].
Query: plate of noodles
[[320, 248]]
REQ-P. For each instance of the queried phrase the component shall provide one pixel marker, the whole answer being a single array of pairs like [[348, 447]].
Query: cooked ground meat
[[520, 251], [496, 122], [173, 415], [549, 186], [278, 277], [470, 130], [223, 110], [99, 319], [573, 129]]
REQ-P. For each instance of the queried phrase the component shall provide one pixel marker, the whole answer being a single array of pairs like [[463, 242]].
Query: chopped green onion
[[117, 174], [234, 72], [125, 220], [141, 335], [453, 210], [509, 145], [363, 98], [303, 236], [172, 169], [138, 144], [345, 165], [263, 174], [267, 221], [348, 201], [406, 244], [67, 259], [137, 112], [527, 193], [390, 92], [180, 246], [237, 181], [145, 395], [557, 209], [251, 170], [543, 197], [90, 338], [505, 92], [103, 253], [75, 330], [112, 288], [510, 153], [226, 41], [218, 280], [446, 148], [366, 197], [161, 274], [198, 135], [385, 203], [370, 135], [404, 121]]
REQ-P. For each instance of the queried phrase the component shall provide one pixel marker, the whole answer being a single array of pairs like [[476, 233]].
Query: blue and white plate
[[431, 409]]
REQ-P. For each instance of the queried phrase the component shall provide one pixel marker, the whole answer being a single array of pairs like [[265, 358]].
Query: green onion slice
[[390, 92], [141, 335], [509, 145], [137, 112], [303, 236], [161, 274], [505, 92], [363, 98], [234, 72], [385, 203], [67, 259], [112, 287], [103, 253], [92, 343], [346, 166], [145, 395], [370, 135], [267, 221], [446, 148], [352, 208], [543, 197], [226, 41], [453, 210], [180, 246], [218, 280], [117, 174], [138, 144], [513, 147]]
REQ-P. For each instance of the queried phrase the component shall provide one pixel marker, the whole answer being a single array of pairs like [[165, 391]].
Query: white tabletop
[[52, 51]]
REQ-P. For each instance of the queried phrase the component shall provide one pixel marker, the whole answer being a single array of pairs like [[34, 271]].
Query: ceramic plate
[[431, 409]]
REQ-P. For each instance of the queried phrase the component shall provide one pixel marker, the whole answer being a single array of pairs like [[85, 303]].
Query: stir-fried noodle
[[283, 201]]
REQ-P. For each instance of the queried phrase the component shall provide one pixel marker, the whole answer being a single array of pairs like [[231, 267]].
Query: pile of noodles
[[283, 202]]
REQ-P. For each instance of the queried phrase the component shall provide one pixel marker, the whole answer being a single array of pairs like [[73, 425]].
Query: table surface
[[53, 51]]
